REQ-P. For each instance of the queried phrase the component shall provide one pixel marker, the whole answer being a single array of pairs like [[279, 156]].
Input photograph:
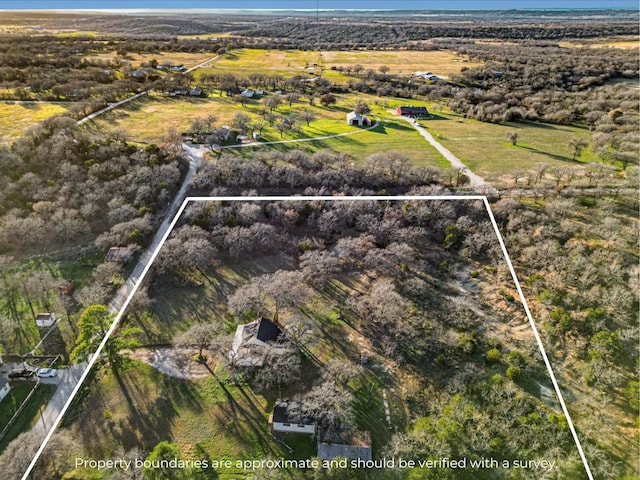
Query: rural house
[[45, 320], [355, 446], [411, 111], [253, 341], [357, 120], [5, 388], [287, 417]]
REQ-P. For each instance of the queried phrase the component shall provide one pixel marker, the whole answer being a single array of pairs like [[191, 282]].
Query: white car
[[46, 372]]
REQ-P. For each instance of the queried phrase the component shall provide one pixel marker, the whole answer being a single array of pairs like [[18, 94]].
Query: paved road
[[66, 381]]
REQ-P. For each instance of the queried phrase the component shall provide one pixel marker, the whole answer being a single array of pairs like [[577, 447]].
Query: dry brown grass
[[15, 118], [293, 62], [623, 44]]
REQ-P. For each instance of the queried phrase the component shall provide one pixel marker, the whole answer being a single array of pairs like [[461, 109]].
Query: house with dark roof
[[356, 446], [411, 111], [254, 341], [289, 417], [5, 388]]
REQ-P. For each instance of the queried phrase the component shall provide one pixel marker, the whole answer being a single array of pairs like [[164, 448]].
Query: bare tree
[[307, 117], [513, 137], [272, 102], [576, 145], [200, 335]]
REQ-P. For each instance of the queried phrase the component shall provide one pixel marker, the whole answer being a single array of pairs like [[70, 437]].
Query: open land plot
[[16, 118], [224, 416], [297, 62], [484, 147], [625, 44]]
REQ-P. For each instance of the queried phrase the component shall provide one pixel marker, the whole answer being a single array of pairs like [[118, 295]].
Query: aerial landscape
[[322, 241]]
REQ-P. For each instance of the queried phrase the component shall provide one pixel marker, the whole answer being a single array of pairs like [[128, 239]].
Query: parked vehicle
[[46, 372], [24, 373]]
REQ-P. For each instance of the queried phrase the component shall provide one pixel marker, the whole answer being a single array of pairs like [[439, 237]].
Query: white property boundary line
[[188, 200]]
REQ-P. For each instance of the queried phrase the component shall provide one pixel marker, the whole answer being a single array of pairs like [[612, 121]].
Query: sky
[[311, 4]]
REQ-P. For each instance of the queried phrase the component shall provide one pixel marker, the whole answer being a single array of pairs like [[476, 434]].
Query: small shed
[[247, 93], [287, 417], [357, 120], [45, 320], [5, 388]]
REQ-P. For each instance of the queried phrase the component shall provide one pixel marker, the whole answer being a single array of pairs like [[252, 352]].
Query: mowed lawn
[[148, 119], [484, 147], [209, 417], [15, 118]]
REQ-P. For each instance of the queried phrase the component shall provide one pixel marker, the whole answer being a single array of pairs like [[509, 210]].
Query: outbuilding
[[45, 320], [356, 119], [412, 111], [288, 417]]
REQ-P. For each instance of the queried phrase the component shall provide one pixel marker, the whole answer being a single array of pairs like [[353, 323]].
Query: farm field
[[16, 118], [297, 62]]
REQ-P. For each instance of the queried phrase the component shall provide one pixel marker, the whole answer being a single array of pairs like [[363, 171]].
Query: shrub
[[494, 355], [514, 357], [514, 372]]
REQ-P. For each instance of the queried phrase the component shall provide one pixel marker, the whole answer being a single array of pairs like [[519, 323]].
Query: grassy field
[[148, 119], [484, 148], [296, 62], [213, 415], [15, 118]]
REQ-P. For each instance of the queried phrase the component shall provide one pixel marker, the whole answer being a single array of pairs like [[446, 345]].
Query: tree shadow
[[562, 158]]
